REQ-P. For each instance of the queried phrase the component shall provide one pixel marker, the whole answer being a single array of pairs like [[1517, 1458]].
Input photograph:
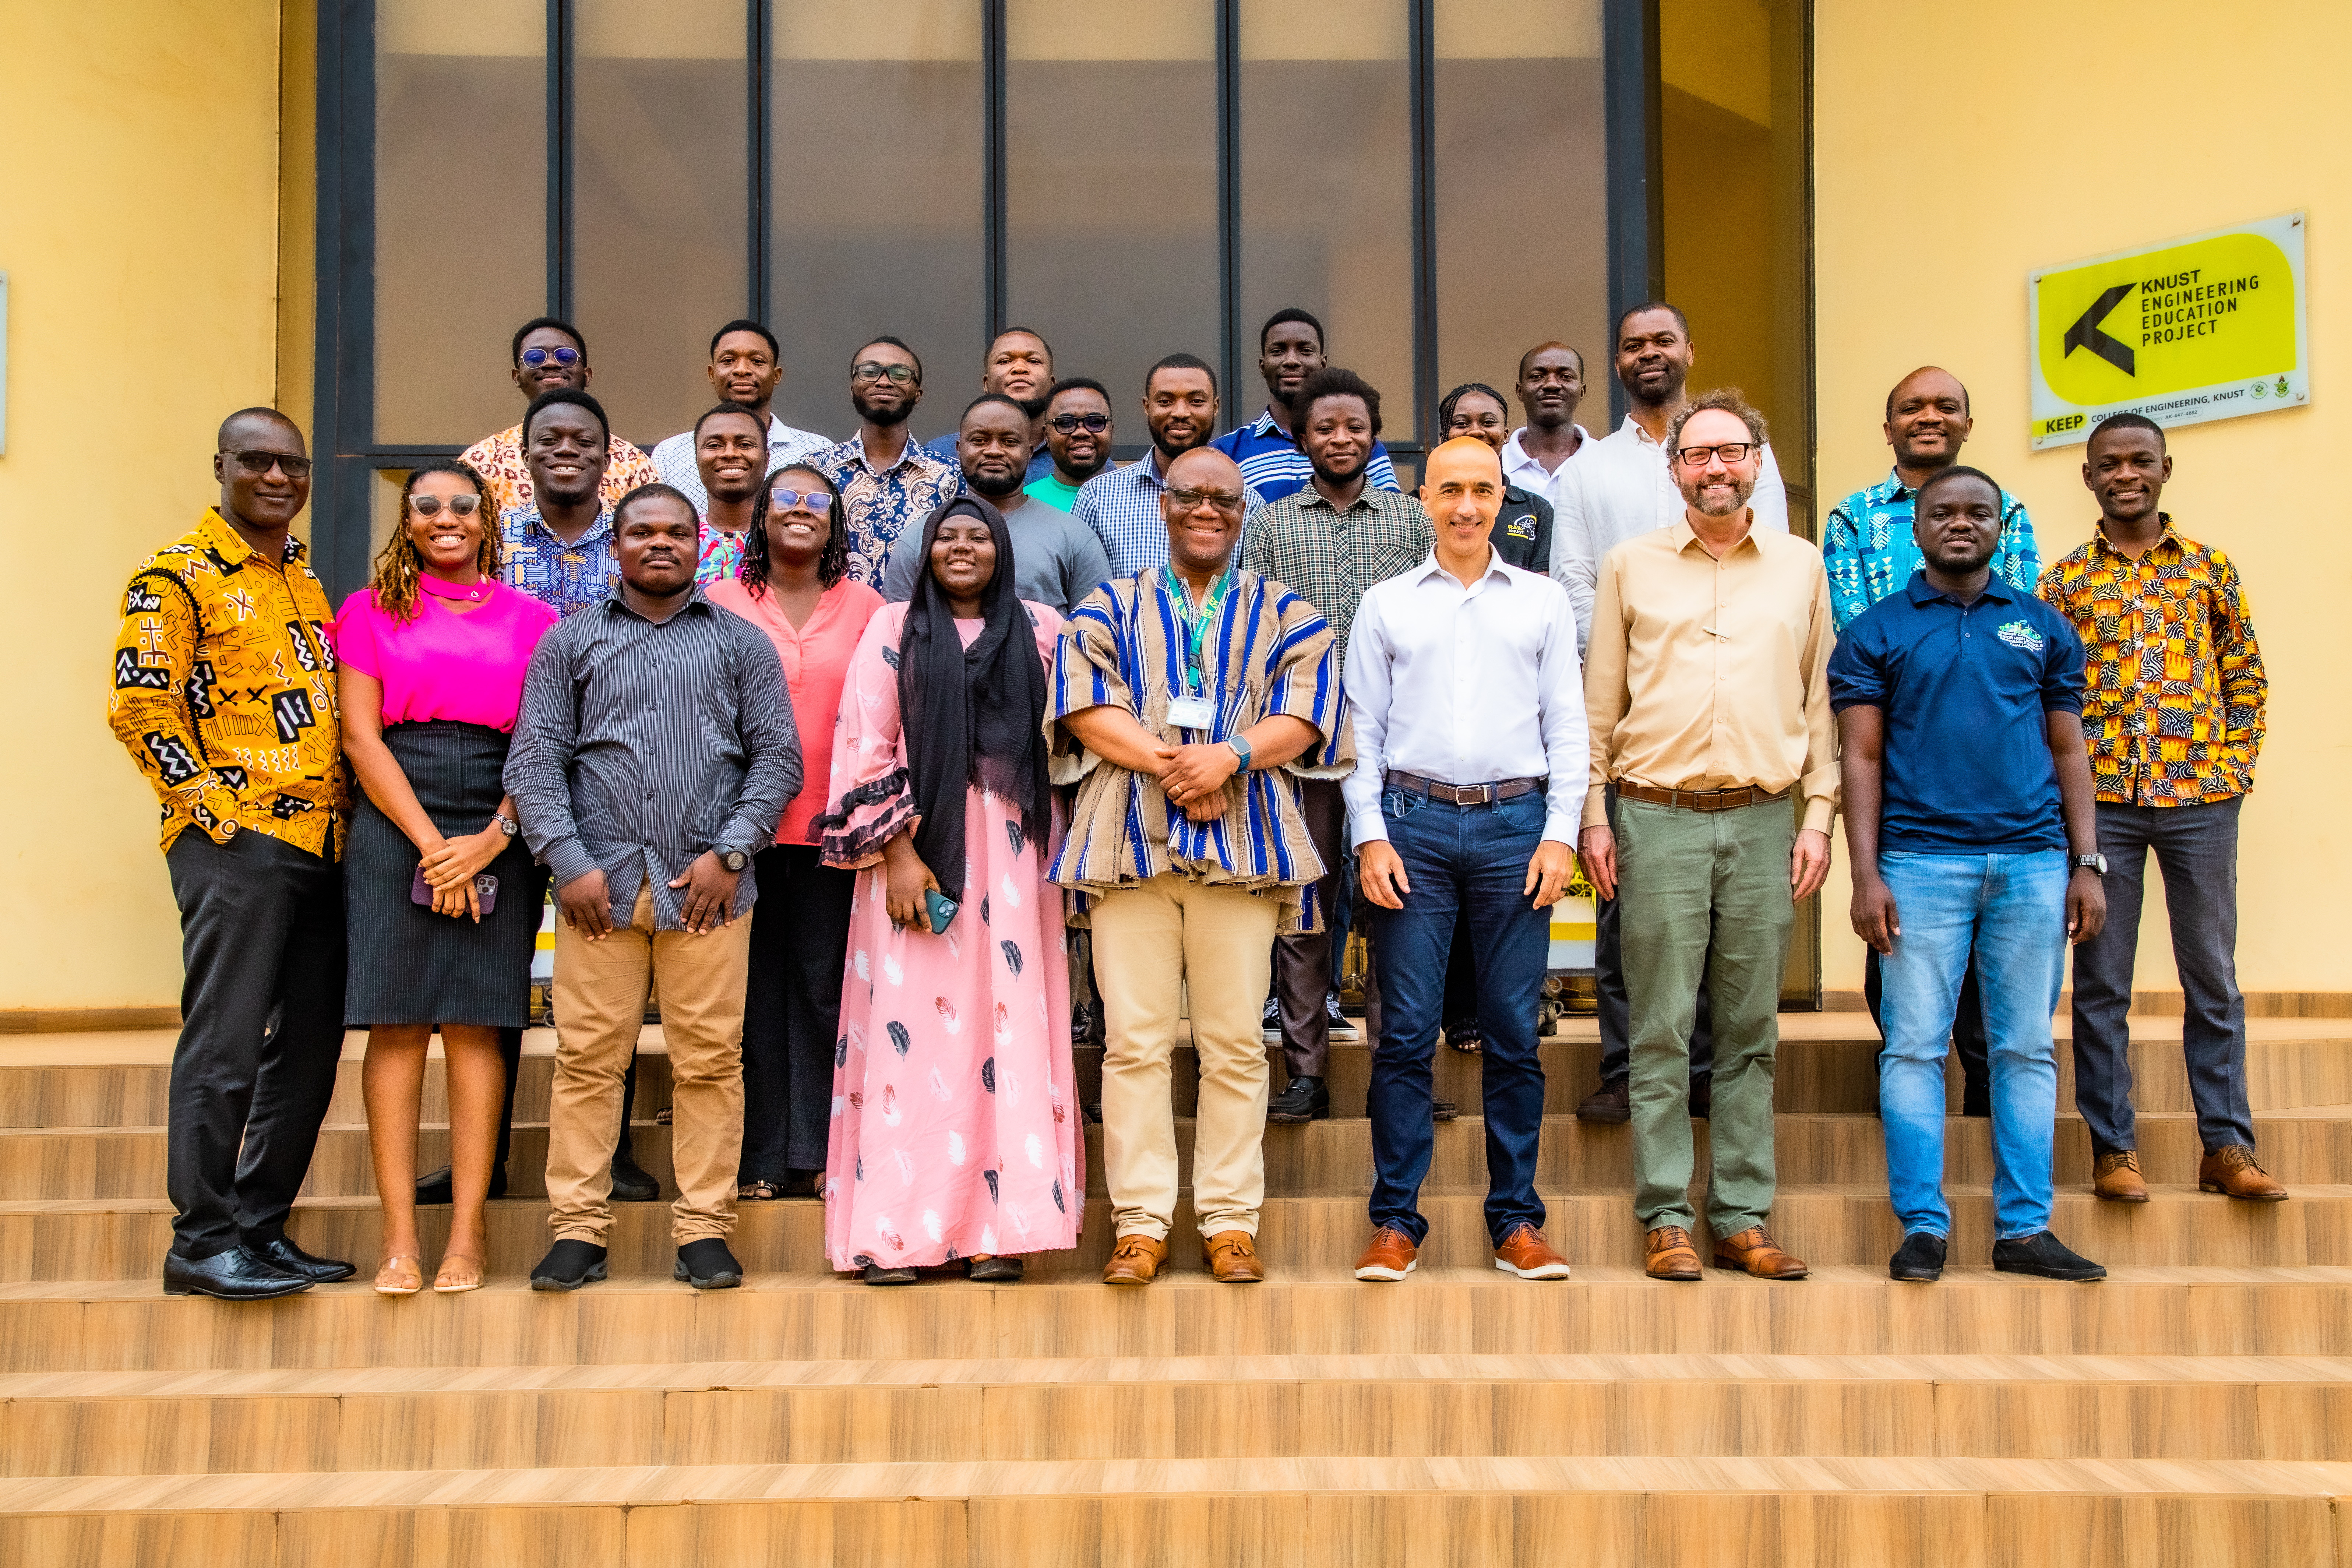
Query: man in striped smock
[[1189, 699]]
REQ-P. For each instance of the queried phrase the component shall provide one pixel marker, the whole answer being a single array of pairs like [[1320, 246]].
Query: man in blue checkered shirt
[[1122, 505]]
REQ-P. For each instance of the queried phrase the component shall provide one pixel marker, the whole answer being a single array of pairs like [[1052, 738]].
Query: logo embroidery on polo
[[2017, 634]]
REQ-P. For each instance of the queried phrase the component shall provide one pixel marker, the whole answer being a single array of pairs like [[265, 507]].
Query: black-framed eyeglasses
[[1071, 424], [430, 506], [565, 356], [784, 500], [1223, 500], [1730, 452], [873, 371], [293, 467]]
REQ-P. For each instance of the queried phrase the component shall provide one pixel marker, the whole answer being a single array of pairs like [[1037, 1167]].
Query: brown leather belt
[[1463, 795], [1698, 799]]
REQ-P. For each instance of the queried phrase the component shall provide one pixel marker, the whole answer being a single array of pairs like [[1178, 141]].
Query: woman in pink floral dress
[[955, 1123]]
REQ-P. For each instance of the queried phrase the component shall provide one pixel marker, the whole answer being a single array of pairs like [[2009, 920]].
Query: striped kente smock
[[1266, 652]]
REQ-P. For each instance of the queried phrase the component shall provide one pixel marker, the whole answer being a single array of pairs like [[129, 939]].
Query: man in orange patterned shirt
[[2173, 707], [549, 354]]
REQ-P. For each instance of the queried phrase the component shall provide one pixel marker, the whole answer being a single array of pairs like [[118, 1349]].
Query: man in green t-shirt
[[1078, 434]]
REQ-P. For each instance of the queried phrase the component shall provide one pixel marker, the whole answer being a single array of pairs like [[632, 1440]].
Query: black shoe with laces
[[1612, 1101], [2044, 1255], [1301, 1100], [706, 1265], [632, 1182], [239, 1274], [285, 1257], [569, 1264], [1920, 1257], [1270, 1015]]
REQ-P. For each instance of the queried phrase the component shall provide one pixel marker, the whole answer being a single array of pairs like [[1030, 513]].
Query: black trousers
[[261, 933], [792, 1012], [1304, 966]]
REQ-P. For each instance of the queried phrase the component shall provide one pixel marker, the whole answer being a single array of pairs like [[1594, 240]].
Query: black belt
[[1463, 795]]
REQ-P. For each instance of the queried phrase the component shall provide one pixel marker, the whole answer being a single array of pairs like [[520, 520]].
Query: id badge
[[1192, 713]]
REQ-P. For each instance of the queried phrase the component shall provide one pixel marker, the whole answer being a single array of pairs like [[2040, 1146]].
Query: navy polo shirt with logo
[[1966, 763]]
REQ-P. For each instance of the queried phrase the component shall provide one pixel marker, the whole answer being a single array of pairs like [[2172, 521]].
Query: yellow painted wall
[[1956, 150], [139, 227]]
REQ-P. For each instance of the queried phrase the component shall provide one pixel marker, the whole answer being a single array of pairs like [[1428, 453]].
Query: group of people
[[831, 749]]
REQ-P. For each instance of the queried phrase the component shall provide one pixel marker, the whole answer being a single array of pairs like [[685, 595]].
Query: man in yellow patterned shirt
[[2173, 707], [223, 691]]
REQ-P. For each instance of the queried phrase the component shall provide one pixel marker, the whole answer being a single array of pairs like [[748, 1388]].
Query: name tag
[[1192, 713]]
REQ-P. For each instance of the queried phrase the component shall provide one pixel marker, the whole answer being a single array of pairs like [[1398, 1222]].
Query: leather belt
[[1463, 795], [1698, 799]]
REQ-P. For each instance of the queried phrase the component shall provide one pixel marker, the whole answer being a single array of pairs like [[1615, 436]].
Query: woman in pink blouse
[[793, 583], [441, 898]]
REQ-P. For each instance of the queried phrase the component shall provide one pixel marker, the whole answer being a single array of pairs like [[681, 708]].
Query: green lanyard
[[1196, 627]]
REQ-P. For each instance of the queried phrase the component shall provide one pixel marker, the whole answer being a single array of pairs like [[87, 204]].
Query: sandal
[[392, 1280], [661, 1116], [1465, 1037], [757, 1193], [468, 1274]]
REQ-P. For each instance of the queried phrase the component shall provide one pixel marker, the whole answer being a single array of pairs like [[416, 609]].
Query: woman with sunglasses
[[793, 583], [442, 901]]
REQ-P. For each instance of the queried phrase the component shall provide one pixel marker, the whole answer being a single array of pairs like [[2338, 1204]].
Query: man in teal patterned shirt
[[1869, 553]]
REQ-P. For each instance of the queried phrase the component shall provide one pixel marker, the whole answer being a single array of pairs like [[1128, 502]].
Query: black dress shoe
[[1701, 1099], [1332, 1016], [1270, 1016], [285, 1257], [2044, 1255], [706, 1265], [1301, 1100], [996, 1271], [632, 1182], [878, 1275], [1920, 1257], [1443, 1110], [1082, 1023], [237, 1274], [434, 1186], [1612, 1101], [568, 1266]]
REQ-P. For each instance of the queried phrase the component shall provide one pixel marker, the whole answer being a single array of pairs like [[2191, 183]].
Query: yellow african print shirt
[[498, 460], [2173, 688], [224, 691]]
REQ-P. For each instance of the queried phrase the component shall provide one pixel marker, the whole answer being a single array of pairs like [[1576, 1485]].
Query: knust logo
[[2017, 634]]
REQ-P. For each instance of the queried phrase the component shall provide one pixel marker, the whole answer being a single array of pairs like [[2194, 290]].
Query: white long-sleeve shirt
[[1620, 488], [1466, 685]]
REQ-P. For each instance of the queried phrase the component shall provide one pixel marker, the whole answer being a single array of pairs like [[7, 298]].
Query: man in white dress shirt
[[1550, 386], [746, 367], [1469, 709], [1620, 488]]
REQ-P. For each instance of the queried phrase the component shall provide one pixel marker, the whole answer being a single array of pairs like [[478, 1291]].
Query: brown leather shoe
[[2231, 1169], [1753, 1252], [1526, 1254], [1232, 1257], [2117, 1177], [1391, 1257], [1135, 1260], [1670, 1255]]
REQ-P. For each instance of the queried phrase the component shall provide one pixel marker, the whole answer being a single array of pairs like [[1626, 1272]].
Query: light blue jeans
[[2012, 908]]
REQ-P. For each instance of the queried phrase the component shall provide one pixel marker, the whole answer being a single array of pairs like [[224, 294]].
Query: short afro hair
[[1630, 311], [1289, 313], [514, 354], [729, 407], [562, 395], [742, 324], [2128, 422], [899, 344], [1181, 361], [1332, 381]]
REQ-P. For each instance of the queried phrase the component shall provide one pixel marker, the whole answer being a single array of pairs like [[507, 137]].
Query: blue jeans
[[1466, 863], [2012, 910]]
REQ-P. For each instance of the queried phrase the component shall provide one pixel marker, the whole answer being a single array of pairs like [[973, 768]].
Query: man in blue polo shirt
[[1969, 811], [1289, 349]]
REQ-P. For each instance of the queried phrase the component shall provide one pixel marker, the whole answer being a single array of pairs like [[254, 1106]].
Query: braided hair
[[398, 566], [1446, 405], [832, 565]]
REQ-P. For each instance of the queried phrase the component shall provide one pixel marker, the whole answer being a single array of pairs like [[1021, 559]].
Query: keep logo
[[294, 715], [2017, 634]]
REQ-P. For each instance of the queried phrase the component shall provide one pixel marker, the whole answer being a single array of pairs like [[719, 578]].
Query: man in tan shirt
[[1706, 685]]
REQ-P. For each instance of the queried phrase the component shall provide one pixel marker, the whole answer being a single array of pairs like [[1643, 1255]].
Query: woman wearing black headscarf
[[955, 1127]]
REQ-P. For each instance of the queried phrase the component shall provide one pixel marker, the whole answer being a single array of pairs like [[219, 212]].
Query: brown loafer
[[1135, 1260], [1391, 1255], [2231, 1169], [1753, 1252], [1232, 1257], [2117, 1177], [1670, 1255], [1526, 1254]]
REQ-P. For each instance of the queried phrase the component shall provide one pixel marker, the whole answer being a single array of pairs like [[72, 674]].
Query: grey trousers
[[2196, 848]]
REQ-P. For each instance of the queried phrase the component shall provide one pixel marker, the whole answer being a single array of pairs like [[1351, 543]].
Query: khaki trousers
[[1149, 939], [600, 1005]]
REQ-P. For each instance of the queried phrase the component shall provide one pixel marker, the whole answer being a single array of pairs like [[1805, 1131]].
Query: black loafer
[[287, 1259], [632, 1182], [1301, 1100], [878, 1275], [1612, 1102], [2044, 1255], [1920, 1257], [239, 1274], [706, 1265], [996, 1271], [568, 1266], [433, 1188]]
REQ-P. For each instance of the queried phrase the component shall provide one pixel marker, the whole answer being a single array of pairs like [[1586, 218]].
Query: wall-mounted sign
[[2205, 328]]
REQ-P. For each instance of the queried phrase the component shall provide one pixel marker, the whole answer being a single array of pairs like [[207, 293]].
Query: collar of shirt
[[695, 598], [229, 547], [2100, 543], [528, 520], [1430, 568], [912, 452], [1923, 593], [1685, 536], [1517, 458]]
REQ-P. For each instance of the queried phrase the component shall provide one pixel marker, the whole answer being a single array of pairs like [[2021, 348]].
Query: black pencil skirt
[[408, 965]]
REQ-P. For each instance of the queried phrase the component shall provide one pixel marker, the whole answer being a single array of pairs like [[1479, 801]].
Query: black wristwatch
[[2092, 862], [733, 860]]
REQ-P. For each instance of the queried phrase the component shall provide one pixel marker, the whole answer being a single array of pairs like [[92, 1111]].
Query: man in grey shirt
[[1057, 559], [655, 753]]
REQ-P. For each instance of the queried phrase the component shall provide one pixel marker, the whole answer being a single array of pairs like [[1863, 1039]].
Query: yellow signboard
[[2205, 328]]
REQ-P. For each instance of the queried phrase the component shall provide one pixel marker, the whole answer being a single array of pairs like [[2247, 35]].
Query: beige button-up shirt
[[1704, 674]]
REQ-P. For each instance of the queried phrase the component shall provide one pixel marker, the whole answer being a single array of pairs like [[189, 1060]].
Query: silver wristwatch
[[2094, 862], [733, 860], [506, 825]]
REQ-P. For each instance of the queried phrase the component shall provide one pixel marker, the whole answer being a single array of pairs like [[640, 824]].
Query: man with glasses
[[1122, 505], [886, 482], [1620, 488], [1706, 690], [1077, 427], [1191, 698], [746, 367], [1020, 367], [549, 355], [1273, 462], [1550, 386], [224, 693], [1056, 561]]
